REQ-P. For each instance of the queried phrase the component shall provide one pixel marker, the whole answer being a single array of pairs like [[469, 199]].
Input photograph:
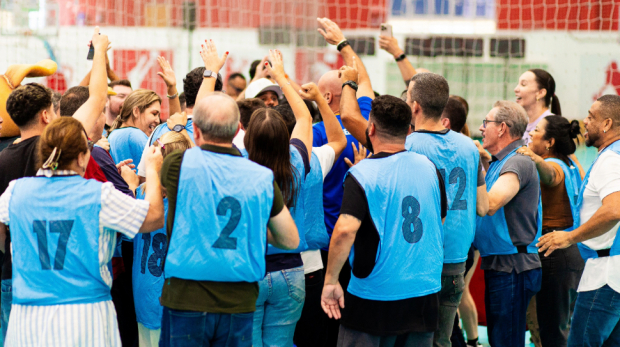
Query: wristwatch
[[209, 73], [400, 57], [350, 84], [178, 128], [342, 44]]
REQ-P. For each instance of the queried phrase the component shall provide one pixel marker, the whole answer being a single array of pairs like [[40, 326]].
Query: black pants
[[122, 298], [561, 272], [312, 326], [333, 325]]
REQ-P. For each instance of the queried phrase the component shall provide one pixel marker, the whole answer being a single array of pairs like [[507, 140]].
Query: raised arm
[[112, 76], [390, 45], [155, 217], [350, 113], [90, 111], [213, 63], [333, 35], [167, 74], [335, 136], [303, 126]]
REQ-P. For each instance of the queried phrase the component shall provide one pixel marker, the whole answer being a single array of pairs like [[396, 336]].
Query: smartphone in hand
[[91, 51], [386, 29]]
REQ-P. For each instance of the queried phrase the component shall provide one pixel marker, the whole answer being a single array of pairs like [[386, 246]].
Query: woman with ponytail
[[552, 143], [134, 124]]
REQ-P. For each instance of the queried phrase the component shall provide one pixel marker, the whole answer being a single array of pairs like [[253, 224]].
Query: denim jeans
[[507, 296], [6, 302], [189, 328], [449, 299], [596, 320], [278, 307]]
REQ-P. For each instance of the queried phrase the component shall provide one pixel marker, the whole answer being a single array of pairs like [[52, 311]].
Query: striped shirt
[[78, 324]]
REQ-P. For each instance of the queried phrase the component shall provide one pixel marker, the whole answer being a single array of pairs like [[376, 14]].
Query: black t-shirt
[[16, 161], [397, 317], [283, 261]]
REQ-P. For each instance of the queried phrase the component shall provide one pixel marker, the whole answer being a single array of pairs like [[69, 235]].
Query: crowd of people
[[277, 214]]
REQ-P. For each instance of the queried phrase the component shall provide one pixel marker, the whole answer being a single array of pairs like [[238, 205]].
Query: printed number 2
[[156, 260], [225, 241], [62, 227], [457, 175], [412, 225]]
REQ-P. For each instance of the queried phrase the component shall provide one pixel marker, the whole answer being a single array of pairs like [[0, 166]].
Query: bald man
[[210, 292]]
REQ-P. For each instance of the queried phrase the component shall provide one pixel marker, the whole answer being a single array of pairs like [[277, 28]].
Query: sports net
[[480, 46]]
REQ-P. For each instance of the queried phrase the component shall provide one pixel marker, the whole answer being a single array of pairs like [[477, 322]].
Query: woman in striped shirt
[[63, 231]]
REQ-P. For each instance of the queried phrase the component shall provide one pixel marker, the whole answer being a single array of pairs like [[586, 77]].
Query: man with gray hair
[[507, 236], [219, 207]]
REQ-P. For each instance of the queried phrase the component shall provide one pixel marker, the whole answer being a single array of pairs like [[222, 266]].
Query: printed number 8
[[412, 226]]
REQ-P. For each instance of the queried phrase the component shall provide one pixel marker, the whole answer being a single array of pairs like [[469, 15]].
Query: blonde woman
[[134, 124]]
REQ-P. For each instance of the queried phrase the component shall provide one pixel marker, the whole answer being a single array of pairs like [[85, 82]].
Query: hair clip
[[52, 160], [160, 144]]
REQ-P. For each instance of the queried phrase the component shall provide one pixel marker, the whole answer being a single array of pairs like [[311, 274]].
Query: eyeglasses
[[484, 123]]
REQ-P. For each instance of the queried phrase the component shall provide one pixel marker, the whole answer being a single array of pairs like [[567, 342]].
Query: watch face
[[178, 128]]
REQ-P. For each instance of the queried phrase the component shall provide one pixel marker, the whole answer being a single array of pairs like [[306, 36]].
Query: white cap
[[260, 86]]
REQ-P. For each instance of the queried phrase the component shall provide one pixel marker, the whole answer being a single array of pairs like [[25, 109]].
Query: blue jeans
[[507, 296], [278, 307], [190, 328], [596, 320], [6, 302]]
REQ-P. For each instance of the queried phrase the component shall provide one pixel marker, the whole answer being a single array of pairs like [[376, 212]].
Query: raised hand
[[177, 118], [276, 69], [310, 91], [100, 42], [484, 155], [330, 31], [348, 73], [210, 57], [154, 158], [357, 155], [166, 73], [390, 45]]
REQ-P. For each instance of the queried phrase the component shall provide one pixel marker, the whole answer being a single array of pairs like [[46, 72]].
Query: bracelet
[[400, 57], [342, 44], [172, 96]]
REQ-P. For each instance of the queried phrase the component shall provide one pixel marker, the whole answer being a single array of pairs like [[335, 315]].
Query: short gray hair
[[513, 115], [217, 117]]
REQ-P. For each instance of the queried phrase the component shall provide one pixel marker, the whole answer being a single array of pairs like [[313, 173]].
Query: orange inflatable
[[11, 79]]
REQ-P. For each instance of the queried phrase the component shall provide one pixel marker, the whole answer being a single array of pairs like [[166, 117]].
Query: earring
[[547, 148], [604, 131]]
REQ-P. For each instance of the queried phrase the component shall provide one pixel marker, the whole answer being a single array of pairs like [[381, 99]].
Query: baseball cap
[[260, 86]]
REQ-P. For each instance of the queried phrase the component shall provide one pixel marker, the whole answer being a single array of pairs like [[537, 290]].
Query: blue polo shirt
[[333, 183]]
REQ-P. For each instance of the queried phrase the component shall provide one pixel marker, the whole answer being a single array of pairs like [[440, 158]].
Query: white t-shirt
[[238, 140], [326, 155], [604, 180]]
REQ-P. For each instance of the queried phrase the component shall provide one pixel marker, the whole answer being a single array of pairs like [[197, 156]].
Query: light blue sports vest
[[298, 211], [456, 157], [127, 143], [55, 228], [572, 182], [404, 201], [163, 128], [149, 251], [312, 191], [220, 225], [492, 235], [587, 252]]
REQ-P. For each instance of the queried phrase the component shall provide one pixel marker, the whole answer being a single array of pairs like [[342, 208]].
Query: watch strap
[[178, 128], [342, 45], [401, 57], [351, 84]]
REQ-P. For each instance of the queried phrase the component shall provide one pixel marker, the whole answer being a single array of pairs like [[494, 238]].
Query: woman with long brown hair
[[134, 124], [63, 231], [282, 291]]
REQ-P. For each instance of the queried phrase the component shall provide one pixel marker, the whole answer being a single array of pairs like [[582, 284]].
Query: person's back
[[230, 249], [456, 158], [389, 186]]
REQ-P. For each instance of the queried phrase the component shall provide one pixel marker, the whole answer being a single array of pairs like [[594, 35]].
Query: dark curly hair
[[25, 103], [191, 85]]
